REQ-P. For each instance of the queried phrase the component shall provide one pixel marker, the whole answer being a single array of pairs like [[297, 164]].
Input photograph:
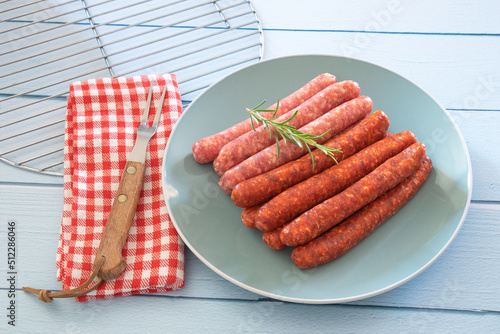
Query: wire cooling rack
[[46, 45]]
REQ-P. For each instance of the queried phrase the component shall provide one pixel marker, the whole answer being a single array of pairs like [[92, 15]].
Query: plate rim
[[326, 300]]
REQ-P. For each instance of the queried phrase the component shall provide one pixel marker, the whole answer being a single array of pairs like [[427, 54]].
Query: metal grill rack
[[46, 45]]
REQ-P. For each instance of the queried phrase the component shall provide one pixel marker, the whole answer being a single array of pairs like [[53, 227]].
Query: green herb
[[288, 132]]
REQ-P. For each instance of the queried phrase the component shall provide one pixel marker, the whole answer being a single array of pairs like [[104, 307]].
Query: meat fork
[[109, 258], [109, 263]]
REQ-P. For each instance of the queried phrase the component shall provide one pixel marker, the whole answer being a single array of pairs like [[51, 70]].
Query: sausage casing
[[252, 142], [207, 149], [343, 237], [272, 239], [263, 187], [323, 216], [248, 216], [336, 120], [305, 195]]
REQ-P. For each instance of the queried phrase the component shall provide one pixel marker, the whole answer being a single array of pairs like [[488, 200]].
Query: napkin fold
[[101, 124]]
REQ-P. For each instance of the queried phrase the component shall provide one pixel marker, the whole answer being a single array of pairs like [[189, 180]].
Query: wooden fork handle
[[119, 221]]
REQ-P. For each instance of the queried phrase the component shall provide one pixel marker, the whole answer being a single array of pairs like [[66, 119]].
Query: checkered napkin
[[101, 123]]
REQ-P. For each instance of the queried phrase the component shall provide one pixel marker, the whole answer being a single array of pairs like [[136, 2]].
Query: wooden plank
[[480, 132], [186, 315], [12, 174], [380, 16], [440, 64], [434, 44], [479, 129], [456, 83], [464, 278], [471, 262]]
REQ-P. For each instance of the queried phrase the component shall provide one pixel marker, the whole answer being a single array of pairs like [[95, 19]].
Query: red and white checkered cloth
[[101, 123]]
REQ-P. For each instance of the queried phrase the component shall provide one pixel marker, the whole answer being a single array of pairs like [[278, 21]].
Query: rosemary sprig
[[288, 132]]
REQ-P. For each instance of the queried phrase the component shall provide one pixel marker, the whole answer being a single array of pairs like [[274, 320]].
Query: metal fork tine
[[145, 113], [160, 107]]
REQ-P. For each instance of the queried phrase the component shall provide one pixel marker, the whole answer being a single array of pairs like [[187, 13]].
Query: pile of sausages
[[322, 210]]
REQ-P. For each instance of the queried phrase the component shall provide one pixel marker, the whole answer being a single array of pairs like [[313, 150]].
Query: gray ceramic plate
[[403, 247]]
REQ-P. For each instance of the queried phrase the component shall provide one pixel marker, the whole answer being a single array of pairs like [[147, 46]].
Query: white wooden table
[[451, 49]]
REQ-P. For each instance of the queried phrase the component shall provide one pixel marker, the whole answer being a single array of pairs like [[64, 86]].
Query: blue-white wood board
[[450, 49]]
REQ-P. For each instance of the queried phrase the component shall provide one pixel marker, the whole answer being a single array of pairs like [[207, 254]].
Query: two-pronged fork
[[109, 263], [109, 254]]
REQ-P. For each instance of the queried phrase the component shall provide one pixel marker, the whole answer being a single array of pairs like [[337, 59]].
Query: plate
[[404, 246]]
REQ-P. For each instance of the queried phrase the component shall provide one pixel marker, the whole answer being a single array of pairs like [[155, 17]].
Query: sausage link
[[248, 216], [254, 141], [272, 239], [206, 149], [336, 120], [323, 216], [305, 195], [343, 237], [262, 188]]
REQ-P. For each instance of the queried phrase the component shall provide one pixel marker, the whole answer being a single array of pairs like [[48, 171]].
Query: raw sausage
[[343, 237], [263, 187], [336, 120], [323, 216], [272, 239], [207, 149], [305, 195], [254, 141], [248, 216]]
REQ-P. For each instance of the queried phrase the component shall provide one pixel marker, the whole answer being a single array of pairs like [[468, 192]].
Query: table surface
[[450, 48]]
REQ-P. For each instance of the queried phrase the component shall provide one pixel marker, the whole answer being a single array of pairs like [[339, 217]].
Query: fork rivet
[[131, 169], [122, 198]]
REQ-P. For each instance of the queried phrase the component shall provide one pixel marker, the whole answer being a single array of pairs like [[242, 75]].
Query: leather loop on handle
[[119, 221]]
